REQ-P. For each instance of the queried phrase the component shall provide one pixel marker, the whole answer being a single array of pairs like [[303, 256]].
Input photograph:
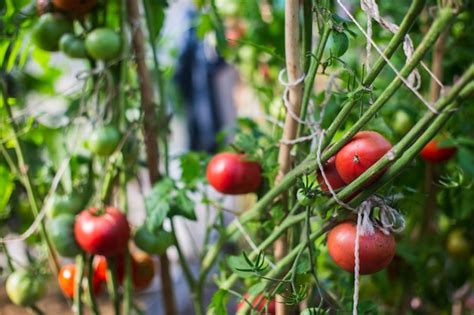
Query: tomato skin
[[103, 141], [72, 46], [457, 244], [76, 7], [435, 154], [259, 304], [43, 6], [103, 44], [66, 278], [360, 153], [49, 29], [61, 232], [231, 174], [24, 288], [402, 122], [152, 243], [376, 251], [332, 175], [104, 233], [143, 269]]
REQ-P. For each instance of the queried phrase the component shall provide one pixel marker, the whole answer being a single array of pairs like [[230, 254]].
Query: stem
[[128, 288], [182, 259], [410, 18], [7, 255], [150, 135], [313, 69], [78, 307], [36, 309], [90, 286], [307, 33], [112, 284], [26, 180]]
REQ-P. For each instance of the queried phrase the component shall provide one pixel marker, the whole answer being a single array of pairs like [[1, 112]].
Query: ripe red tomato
[[435, 154], [102, 231], [376, 251], [259, 304], [143, 269], [75, 6], [66, 277], [332, 175], [231, 174], [360, 153]]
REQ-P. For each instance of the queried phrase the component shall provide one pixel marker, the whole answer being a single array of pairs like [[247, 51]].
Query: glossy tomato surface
[[66, 279], [102, 231], [49, 29], [232, 174], [75, 6], [433, 153], [259, 304], [332, 176], [103, 44], [360, 153], [376, 251]]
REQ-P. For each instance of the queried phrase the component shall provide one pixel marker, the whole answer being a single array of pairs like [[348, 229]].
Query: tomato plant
[[104, 141], [103, 44], [25, 287], [61, 229], [66, 280], [232, 174], [49, 29], [102, 231]]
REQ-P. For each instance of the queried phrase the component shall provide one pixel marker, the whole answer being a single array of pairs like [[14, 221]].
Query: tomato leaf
[[6, 189], [340, 43], [182, 205]]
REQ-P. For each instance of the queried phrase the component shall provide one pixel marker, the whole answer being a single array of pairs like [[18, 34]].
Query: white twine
[[368, 46], [326, 181], [408, 84], [252, 244], [390, 221], [286, 100]]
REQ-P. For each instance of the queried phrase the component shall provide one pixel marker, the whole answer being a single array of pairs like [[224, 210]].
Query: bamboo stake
[[151, 138]]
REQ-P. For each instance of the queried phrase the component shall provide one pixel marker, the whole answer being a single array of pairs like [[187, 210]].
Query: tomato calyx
[[97, 212]]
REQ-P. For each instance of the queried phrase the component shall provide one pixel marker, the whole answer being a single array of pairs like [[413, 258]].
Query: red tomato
[[332, 175], [66, 277], [259, 304], [75, 6], [376, 251], [231, 174], [143, 269], [102, 232], [435, 154], [360, 153]]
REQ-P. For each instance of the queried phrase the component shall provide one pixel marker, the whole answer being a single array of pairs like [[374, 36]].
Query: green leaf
[[155, 11], [157, 203], [466, 160], [191, 168], [218, 305], [182, 205], [204, 25], [340, 43], [6, 188], [304, 265]]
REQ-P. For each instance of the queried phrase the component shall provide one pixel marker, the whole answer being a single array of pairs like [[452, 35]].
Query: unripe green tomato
[[49, 29], [62, 204], [402, 122], [61, 232], [153, 243], [103, 44], [72, 46], [303, 198], [25, 288], [103, 141], [457, 244]]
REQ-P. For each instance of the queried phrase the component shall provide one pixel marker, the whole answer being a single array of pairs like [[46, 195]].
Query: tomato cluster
[[54, 31], [353, 159]]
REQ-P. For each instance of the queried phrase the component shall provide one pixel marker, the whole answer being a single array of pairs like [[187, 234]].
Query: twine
[[390, 221], [397, 73]]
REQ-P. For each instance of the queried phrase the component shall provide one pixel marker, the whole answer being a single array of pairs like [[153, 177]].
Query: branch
[[150, 134]]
